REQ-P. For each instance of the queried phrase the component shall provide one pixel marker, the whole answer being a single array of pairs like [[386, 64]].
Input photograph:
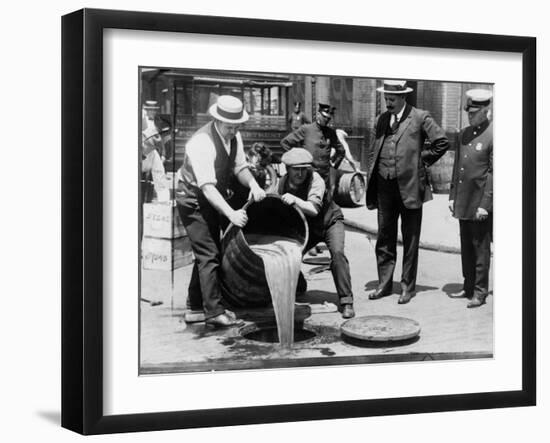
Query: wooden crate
[[161, 220], [165, 254]]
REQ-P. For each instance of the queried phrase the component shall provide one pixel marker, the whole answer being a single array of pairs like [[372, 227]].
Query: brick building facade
[[358, 103]]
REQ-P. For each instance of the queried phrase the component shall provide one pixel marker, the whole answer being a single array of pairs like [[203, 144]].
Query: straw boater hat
[[151, 105], [297, 157], [477, 99], [228, 109], [395, 87]]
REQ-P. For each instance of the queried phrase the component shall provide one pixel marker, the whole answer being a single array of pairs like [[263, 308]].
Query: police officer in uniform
[[298, 117], [471, 197], [212, 156], [304, 188], [318, 138]]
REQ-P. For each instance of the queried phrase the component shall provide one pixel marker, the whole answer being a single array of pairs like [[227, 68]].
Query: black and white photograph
[[275, 221], [293, 220], [286, 221]]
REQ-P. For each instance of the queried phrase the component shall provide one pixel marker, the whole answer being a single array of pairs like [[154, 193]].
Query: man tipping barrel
[[304, 188], [212, 156]]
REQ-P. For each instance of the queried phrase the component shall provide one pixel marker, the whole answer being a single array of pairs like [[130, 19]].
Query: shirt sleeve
[[294, 139], [202, 154], [316, 191], [240, 158]]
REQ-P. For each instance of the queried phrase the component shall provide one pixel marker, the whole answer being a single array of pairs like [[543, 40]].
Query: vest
[[328, 213], [223, 166], [301, 192], [386, 159]]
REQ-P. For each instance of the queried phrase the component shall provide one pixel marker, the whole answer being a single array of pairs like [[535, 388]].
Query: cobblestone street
[[448, 329]]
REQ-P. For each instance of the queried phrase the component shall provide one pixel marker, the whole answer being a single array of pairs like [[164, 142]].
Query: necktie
[[395, 123]]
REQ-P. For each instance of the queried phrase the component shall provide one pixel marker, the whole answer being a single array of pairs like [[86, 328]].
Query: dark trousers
[[390, 208], [334, 236], [203, 227], [475, 250]]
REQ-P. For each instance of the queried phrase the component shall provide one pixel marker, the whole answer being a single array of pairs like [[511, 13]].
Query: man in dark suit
[[471, 197], [397, 184]]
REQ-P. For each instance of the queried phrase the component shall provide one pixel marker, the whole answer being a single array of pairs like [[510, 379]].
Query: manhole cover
[[381, 328], [269, 334]]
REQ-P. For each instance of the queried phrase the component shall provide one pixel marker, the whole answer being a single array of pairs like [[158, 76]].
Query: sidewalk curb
[[423, 244]]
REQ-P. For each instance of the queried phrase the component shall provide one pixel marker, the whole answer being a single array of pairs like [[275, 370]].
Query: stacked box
[[165, 245], [161, 220], [165, 254]]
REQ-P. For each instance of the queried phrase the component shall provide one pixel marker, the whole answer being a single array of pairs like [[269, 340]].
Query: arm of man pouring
[[202, 154], [243, 173], [247, 179], [312, 206]]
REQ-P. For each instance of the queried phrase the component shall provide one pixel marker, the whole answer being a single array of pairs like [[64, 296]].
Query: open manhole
[[268, 334]]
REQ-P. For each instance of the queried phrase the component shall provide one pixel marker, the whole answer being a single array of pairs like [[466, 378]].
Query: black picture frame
[[82, 218]]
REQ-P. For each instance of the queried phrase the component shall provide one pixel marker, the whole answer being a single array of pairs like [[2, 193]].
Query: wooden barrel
[[242, 271], [349, 191], [239, 192], [441, 172], [272, 180]]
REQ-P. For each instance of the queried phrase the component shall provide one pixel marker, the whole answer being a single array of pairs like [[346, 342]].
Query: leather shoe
[[460, 294], [231, 314], [476, 302], [223, 321], [347, 311], [405, 297], [379, 293]]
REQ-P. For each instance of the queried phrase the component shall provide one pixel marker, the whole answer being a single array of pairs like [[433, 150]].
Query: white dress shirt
[[202, 154], [398, 116]]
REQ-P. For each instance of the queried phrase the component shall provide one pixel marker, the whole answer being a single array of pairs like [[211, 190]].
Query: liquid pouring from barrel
[[274, 235], [281, 257]]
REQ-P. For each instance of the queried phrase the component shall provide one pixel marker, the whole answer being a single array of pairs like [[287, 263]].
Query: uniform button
[[462, 169], [469, 144], [460, 181], [465, 156], [475, 133]]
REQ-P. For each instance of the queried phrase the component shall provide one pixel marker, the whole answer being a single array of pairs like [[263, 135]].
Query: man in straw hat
[[471, 197], [152, 168], [212, 156], [397, 184], [151, 120], [304, 188]]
